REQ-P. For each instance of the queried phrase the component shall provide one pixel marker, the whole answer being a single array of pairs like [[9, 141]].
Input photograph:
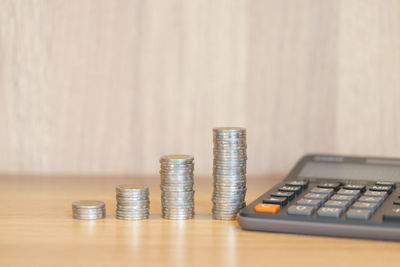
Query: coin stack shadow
[[177, 194], [88, 210], [229, 171], [132, 202]]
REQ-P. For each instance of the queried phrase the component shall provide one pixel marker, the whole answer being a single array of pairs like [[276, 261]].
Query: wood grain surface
[[36, 229], [101, 86]]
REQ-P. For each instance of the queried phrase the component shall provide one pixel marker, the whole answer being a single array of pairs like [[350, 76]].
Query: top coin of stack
[[132, 202], [88, 210], [177, 187], [229, 171]]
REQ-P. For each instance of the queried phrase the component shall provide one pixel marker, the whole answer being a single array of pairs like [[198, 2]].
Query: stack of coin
[[132, 202], [229, 171], [88, 210], [177, 187]]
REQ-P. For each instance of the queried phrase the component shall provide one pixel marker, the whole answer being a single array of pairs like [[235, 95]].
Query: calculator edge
[[322, 229]]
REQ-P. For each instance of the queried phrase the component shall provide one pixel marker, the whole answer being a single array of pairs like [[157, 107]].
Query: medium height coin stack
[[177, 187], [229, 171], [132, 202]]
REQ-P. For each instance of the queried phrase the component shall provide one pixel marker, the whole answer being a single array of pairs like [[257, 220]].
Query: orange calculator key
[[267, 208]]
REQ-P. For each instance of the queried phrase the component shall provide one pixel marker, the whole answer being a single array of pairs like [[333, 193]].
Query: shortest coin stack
[[88, 210], [132, 202]]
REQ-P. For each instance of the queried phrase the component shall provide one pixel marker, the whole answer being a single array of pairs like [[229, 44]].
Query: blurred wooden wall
[[90, 86]]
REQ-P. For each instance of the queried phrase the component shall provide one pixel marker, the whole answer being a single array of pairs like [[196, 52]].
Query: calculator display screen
[[351, 171]]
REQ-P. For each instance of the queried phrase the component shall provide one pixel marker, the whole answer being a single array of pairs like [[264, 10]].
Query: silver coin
[[89, 217], [132, 218], [177, 157], [129, 187], [133, 201], [87, 211], [88, 204]]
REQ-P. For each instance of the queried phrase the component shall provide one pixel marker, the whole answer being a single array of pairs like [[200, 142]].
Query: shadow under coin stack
[[177, 192], [88, 210], [229, 172], [132, 202]]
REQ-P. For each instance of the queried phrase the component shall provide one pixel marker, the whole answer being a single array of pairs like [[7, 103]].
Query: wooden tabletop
[[36, 229]]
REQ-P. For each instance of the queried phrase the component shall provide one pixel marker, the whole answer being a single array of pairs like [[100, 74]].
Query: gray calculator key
[[347, 192], [365, 206], [360, 187], [322, 197], [310, 202], [358, 214], [376, 200], [300, 210], [317, 190], [337, 204], [349, 199], [370, 193], [330, 212]]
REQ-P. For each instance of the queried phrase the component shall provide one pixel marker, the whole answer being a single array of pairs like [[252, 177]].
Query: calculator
[[331, 195]]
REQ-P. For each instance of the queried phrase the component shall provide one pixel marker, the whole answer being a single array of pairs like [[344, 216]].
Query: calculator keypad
[[332, 200]]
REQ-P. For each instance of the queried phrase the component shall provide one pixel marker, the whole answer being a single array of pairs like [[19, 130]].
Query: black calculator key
[[392, 216], [347, 192], [302, 184], [380, 194], [337, 204], [393, 185], [383, 188], [322, 197], [358, 214], [288, 195], [276, 200], [334, 186], [377, 200], [316, 203], [349, 199], [301, 210], [295, 189], [317, 190], [330, 212], [365, 206], [359, 187]]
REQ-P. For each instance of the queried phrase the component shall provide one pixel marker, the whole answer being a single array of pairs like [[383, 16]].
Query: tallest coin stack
[[229, 172]]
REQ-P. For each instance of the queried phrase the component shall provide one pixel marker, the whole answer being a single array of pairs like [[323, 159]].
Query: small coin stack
[[229, 171], [132, 202], [88, 210], [177, 187]]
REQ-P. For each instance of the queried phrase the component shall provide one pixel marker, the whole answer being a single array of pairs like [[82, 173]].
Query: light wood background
[[100, 86]]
